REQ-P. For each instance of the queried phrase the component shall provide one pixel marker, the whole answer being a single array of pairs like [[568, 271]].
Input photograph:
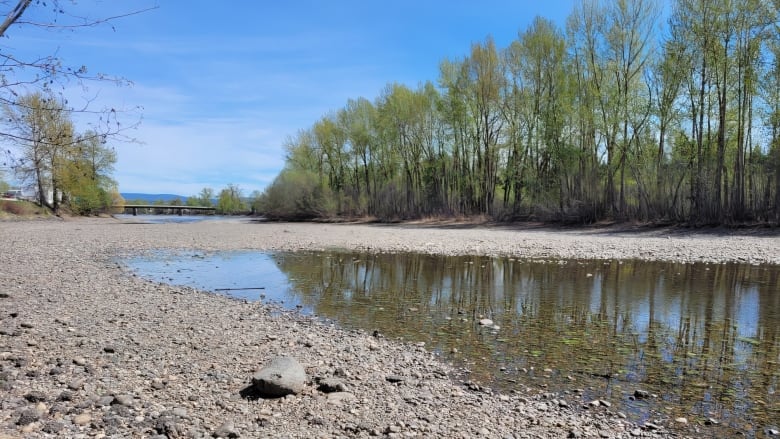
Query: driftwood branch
[[239, 289]]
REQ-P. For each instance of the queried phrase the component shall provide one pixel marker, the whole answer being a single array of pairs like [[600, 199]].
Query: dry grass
[[20, 209]]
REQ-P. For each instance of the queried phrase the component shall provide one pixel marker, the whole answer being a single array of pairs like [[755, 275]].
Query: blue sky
[[222, 84]]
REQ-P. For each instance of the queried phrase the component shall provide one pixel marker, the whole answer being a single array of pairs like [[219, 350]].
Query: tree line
[[617, 115]]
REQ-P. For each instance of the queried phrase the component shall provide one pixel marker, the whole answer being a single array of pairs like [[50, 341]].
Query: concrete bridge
[[166, 209]]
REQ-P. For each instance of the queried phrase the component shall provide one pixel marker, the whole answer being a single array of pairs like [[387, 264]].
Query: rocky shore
[[88, 350]]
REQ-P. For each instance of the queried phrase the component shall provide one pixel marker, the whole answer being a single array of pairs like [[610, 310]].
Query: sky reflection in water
[[705, 338]]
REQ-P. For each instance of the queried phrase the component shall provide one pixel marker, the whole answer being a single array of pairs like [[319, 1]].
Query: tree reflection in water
[[704, 338]]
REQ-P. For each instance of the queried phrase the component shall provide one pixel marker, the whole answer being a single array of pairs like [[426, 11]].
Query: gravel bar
[[87, 350]]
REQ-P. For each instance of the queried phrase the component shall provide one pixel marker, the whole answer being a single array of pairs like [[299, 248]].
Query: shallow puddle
[[703, 340]]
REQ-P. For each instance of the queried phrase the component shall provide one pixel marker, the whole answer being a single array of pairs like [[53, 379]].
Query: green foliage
[[229, 201], [85, 176], [63, 166], [603, 120], [295, 195], [4, 186], [205, 197], [90, 199]]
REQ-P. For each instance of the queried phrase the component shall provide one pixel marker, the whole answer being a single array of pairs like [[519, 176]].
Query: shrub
[[89, 200], [296, 195]]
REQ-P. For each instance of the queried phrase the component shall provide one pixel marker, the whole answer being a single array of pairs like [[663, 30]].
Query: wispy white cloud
[[222, 85]]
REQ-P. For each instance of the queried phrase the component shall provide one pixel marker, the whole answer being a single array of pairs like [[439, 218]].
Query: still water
[[163, 219], [703, 339]]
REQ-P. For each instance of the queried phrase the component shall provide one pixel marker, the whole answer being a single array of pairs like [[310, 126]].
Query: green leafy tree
[[229, 201], [87, 170], [206, 197], [608, 120], [43, 134]]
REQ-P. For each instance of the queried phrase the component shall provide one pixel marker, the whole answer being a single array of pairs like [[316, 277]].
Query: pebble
[[28, 416], [329, 385], [641, 394], [125, 400], [184, 354], [226, 430], [35, 396], [340, 398], [82, 419]]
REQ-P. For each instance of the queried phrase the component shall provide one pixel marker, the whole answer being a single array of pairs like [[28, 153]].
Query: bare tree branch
[[87, 21]]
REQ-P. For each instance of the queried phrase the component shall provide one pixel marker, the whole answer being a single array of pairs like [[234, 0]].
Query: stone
[[53, 427], [395, 378], [65, 395], [28, 417], [104, 401], [226, 430], [486, 322], [35, 396], [340, 398], [125, 400], [281, 376], [76, 384], [330, 385], [166, 426], [681, 420], [82, 419], [641, 394]]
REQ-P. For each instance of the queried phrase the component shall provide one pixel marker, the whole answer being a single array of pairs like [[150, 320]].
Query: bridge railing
[[178, 209]]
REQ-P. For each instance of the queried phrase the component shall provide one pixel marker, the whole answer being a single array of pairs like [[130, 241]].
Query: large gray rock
[[282, 376]]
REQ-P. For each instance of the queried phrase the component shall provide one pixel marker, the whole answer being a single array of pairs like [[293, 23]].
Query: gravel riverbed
[[88, 350]]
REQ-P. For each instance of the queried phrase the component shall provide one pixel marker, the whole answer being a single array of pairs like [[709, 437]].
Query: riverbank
[[87, 350]]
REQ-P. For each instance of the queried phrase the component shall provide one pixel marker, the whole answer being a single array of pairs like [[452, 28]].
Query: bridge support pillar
[[135, 211]]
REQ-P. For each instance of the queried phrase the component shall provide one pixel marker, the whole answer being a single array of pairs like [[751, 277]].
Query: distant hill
[[150, 198]]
